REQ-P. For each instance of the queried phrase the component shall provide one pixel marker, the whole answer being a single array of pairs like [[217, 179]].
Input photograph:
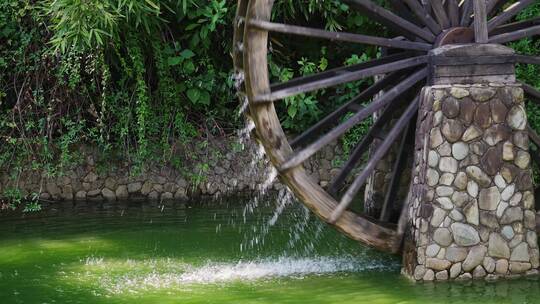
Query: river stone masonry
[[472, 212], [217, 169]]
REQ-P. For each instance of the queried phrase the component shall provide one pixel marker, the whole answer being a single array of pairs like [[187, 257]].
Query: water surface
[[201, 253]]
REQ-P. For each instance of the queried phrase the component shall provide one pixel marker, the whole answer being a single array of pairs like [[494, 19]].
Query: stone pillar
[[472, 203]]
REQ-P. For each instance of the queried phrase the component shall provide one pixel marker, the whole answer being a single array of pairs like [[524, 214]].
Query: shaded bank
[[218, 168]]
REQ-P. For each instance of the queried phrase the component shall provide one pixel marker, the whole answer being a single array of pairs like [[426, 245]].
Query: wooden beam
[[346, 77], [339, 36], [515, 26], [509, 13], [390, 19], [494, 5], [534, 156], [513, 36], [404, 11], [534, 137], [301, 156], [403, 223], [468, 8], [440, 13], [453, 12], [333, 118], [340, 70], [397, 172], [427, 5], [362, 147], [527, 59], [377, 156], [531, 92], [480, 21], [420, 11]]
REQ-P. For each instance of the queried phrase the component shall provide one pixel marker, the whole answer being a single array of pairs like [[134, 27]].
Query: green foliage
[[530, 73], [15, 198], [82, 24]]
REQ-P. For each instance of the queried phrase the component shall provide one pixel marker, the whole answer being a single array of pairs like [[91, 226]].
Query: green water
[[137, 253]]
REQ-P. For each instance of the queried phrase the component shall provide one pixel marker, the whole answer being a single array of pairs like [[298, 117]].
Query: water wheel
[[419, 28]]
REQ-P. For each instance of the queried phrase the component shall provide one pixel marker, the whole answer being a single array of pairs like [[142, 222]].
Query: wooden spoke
[[453, 12], [404, 11], [535, 157], [333, 118], [339, 36], [361, 148], [527, 59], [427, 5], [440, 13], [513, 36], [494, 5], [531, 92], [515, 26], [534, 137], [378, 155], [509, 13], [391, 20], [420, 11], [345, 77], [480, 21], [301, 156], [339, 71], [397, 173], [466, 16]]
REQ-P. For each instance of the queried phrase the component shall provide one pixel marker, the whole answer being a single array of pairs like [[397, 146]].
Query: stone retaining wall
[[214, 168]]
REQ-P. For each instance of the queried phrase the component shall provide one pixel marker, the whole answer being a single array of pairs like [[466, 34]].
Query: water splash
[[244, 134], [93, 261], [248, 271], [244, 105], [284, 199], [239, 78], [258, 157], [256, 236]]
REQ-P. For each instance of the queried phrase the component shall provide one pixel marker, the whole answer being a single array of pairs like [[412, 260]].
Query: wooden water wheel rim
[[422, 26]]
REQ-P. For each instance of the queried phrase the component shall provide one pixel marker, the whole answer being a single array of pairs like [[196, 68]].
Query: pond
[[227, 252]]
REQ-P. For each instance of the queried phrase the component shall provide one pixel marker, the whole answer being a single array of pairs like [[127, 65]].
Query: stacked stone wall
[[217, 168], [472, 213]]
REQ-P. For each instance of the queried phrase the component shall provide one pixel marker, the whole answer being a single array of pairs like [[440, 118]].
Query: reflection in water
[[190, 253]]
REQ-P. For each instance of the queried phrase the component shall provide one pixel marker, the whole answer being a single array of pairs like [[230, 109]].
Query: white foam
[[245, 271]]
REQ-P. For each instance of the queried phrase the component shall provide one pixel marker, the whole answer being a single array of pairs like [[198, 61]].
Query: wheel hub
[[456, 35]]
